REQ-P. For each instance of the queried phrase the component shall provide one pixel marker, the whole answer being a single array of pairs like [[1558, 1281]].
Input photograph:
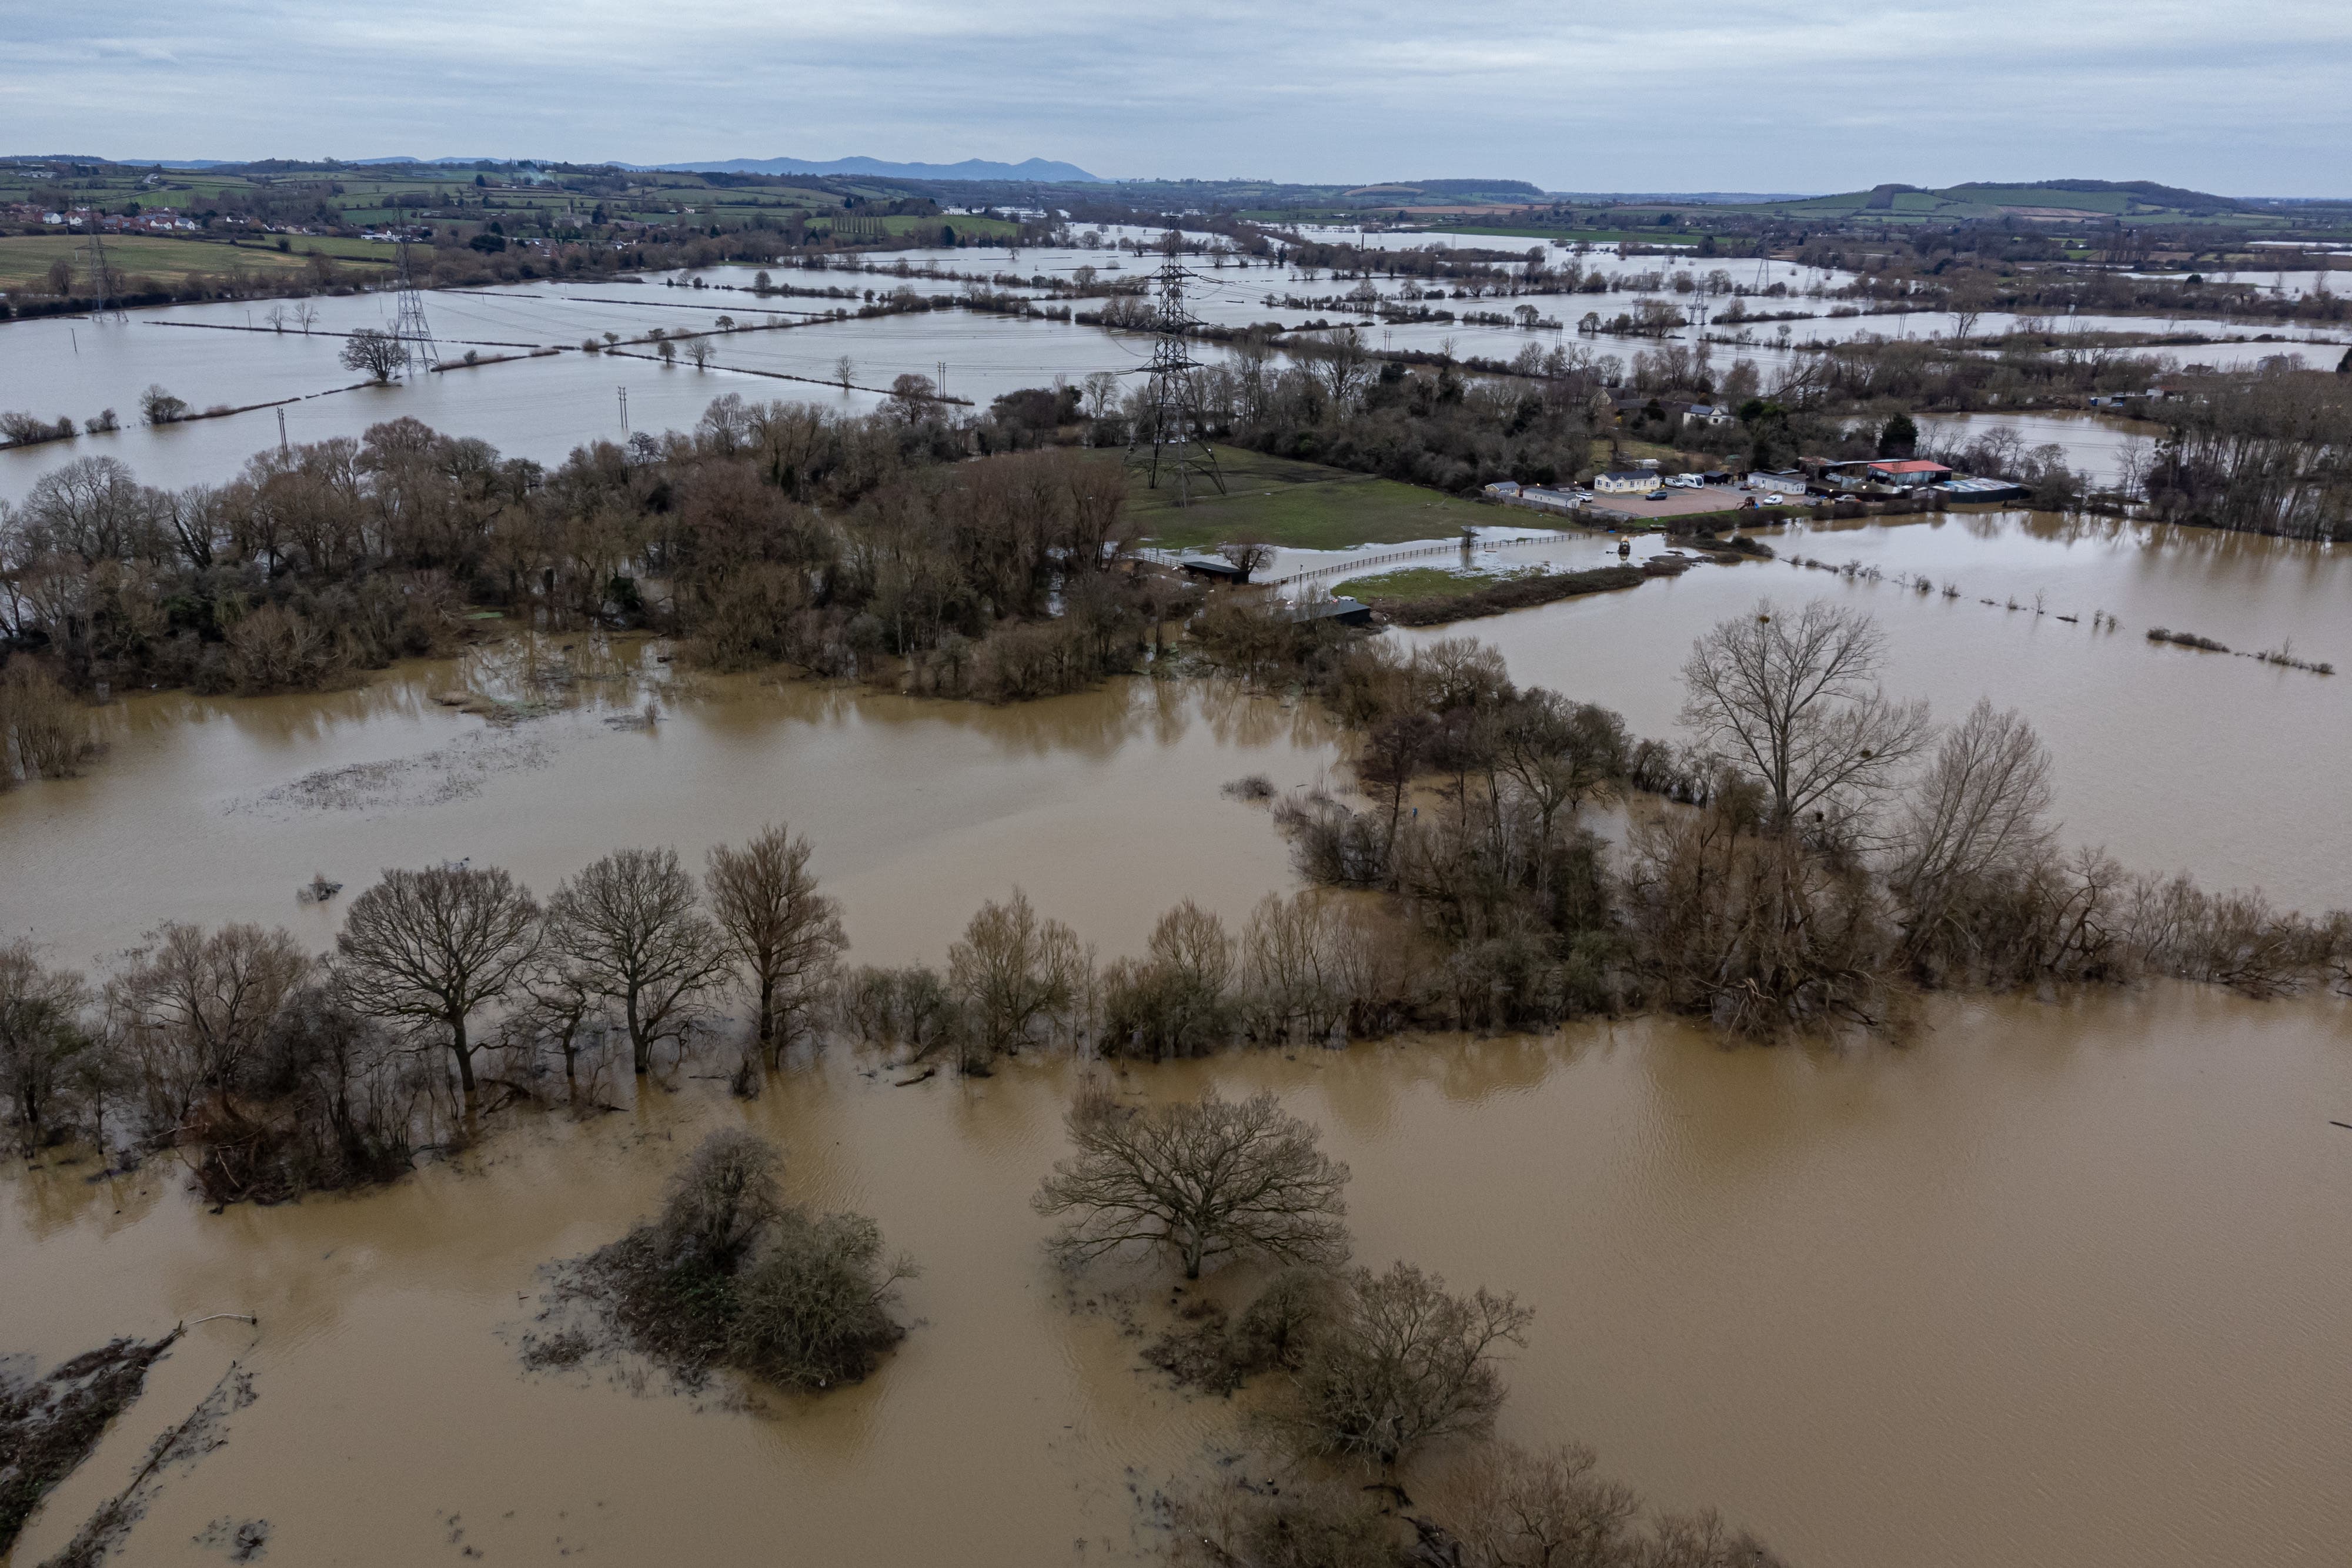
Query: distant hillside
[[1981, 199], [1039, 170]]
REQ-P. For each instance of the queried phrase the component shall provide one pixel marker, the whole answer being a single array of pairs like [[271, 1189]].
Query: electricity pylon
[[1179, 442], [101, 276], [418, 350]]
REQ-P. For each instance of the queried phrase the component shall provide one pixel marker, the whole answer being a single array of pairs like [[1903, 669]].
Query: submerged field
[[1943, 1305]]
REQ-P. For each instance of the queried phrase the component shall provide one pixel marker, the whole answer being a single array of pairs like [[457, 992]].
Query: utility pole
[[1179, 442], [281, 431], [624, 411], [418, 350]]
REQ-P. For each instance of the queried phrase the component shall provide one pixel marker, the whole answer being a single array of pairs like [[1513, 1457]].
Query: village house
[[1625, 482]]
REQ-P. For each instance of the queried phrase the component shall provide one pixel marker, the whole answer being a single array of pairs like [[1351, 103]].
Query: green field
[[1303, 505], [1419, 582], [25, 259]]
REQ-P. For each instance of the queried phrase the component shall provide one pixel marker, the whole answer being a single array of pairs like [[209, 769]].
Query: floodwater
[[2061, 1285], [224, 355], [1103, 806], [2171, 757], [540, 408], [2054, 1284]]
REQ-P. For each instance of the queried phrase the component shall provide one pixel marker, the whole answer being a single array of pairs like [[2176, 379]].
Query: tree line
[[775, 532], [1813, 854]]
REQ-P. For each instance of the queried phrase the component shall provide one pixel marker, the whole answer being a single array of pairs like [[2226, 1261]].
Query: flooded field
[[2171, 757], [1103, 806], [2061, 1286], [227, 355], [2055, 1283]]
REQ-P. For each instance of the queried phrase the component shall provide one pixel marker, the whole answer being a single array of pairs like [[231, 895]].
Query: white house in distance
[[1625, 482], [1789, 483]]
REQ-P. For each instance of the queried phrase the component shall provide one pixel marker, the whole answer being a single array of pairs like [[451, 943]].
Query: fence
[[1359, 563], [1354, 565]]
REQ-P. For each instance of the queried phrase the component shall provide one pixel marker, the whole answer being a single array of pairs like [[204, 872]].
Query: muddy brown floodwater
[[2062, 1285], [1103, 806], [2059, 1284]]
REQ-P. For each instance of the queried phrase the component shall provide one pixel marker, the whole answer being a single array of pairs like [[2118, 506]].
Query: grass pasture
[[1421, 582], [1303, 505], [25, 259]]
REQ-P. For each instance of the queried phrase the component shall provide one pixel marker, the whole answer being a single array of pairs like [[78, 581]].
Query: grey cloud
[[1750, 93]]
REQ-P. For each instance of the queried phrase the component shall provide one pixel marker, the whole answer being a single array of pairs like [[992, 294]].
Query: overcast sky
[[2250, 97]]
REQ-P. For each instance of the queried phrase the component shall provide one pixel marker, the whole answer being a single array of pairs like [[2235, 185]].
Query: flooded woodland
[[2058, 1278]]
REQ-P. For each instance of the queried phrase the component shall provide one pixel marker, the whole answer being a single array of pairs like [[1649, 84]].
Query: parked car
[[1658, 495]]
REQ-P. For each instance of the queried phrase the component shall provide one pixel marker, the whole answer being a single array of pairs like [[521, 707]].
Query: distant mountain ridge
[[1038, 171], [1029, 171]]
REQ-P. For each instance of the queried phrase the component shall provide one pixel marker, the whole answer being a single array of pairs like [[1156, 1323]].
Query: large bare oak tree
[[1207, 1178], [429, 948]]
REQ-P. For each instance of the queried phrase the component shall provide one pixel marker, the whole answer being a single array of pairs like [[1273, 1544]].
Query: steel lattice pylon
[[1180, 443], [101, 278], [418, 350]]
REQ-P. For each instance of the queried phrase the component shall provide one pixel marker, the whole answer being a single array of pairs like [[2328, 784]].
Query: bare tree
[[41, 1033], [1178, 1000], [912, 397], [157, 406], [1518, 1508], [428, 948], [629, 928], [1980, 811], [1249, 555], [193, 1009], [1559, 753], [1209, 1178], [1014, 970], [698, 353], [844, 370], [306, 316], [1343, 366], [1402, 1362], [1101, 388], [782, 931], [1792, 702], [380, 354]]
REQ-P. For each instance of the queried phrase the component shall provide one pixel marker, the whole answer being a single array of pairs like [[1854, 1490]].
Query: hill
[[1036, 171], [2125, 200]]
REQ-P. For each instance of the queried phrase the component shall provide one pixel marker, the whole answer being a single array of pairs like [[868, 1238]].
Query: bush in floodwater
[[1403, 1362], [813, 1311], [731, 1275], [44, 732]]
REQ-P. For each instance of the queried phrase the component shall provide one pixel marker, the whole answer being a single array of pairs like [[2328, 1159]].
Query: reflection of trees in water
[[52, 1196]]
